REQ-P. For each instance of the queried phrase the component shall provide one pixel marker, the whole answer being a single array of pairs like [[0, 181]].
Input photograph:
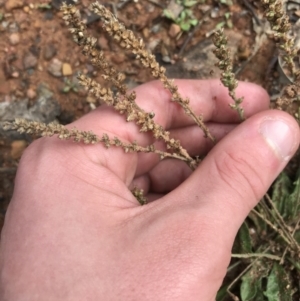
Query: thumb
[[239, 170]]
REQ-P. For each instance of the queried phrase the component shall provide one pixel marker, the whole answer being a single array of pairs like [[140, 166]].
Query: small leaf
[[281, 189], [222, 293], [278, 285], [190, 3], [293, 201], [66, 89], [227, 15], [245, 239], [183, 15], [168, 14], [249, 286], [220, 25], [194, 22], [229, 24], [185, 26]]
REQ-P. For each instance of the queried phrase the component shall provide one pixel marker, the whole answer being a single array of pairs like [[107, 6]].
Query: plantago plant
[[266, 255]]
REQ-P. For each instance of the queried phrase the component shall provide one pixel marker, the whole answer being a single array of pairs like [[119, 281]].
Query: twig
[[281, 222], [272, 226], [8, 170], [261, 255], [286, 249]]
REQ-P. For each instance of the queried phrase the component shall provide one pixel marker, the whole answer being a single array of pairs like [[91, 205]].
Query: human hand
[[74, 231]]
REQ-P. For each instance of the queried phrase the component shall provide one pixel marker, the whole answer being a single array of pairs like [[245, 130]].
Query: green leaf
[[185, 26], [278, 285], [222, 293], [229, 24], [168, 14], [281, 190], [293, 201], [44, 6], [194, 22], [190, 3], [66, 89], [227, 15], [220, 25], [249, 286], [244, 239], [183, 15], [226, 2]]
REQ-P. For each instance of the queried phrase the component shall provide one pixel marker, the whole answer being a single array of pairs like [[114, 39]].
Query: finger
[[195, 143], [208, 98], [165, 176], [239, 170], [192, 139]]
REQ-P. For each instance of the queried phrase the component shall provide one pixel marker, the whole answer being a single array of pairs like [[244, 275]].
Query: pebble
[[91, 99], [146, 32], [29, 61], [17, 148], [14, 39], [49, 52], [118, 58], [15, 74], [174, 30], [31, 94], [12, 4], [103, 43], [54, 67], [67, 69]]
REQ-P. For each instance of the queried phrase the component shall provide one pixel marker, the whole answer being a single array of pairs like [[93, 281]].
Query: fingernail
[[279, 137]]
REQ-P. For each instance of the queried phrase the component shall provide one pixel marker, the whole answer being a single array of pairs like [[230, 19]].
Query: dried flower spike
[[279, 21], [127, 40], [124, 102], [225, 64]]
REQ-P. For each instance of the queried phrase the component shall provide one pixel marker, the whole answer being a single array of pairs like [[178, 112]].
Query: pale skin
[[74, 231]]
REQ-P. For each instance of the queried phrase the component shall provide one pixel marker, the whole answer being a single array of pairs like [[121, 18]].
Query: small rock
[[66, 69], [91, 99], [103, 43], [55, 67], [48, 15], [12, 4], [14, 38], [29, 61], [15, 74], [146, 32], [31, 94], [49, 52], [174, 30], [26, 9], [17, 148], [118, 58], [13, 27]]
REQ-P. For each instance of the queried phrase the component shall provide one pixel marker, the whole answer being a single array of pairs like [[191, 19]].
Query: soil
[[39, 61]]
